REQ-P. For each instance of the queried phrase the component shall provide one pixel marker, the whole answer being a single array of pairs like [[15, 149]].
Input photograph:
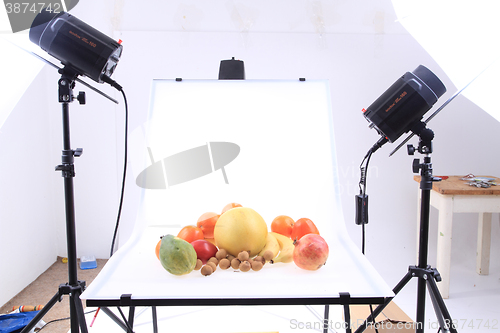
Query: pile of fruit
[[238, 238]]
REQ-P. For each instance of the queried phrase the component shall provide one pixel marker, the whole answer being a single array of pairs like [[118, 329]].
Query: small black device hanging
[[361, 209]]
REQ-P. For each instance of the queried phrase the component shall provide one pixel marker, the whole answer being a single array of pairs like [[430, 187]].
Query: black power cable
[[125, 157], [362, 199], [60, 319]]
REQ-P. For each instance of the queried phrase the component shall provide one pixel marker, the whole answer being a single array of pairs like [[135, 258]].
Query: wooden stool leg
[[445, 227], [483, 244]]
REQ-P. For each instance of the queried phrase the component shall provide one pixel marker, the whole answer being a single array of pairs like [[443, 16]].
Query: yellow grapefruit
[[240, 229]]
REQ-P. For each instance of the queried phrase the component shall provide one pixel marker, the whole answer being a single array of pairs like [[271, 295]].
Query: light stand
[[82, 50], [427, 276], [74, 288]]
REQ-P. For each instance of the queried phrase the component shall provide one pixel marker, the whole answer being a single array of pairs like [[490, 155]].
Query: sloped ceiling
[[315, 16]]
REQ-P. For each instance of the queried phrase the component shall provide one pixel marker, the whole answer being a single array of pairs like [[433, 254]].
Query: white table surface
[[135, 270]]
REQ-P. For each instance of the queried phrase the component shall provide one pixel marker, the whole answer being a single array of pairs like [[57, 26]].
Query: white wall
[[358, 46], [27, 219]]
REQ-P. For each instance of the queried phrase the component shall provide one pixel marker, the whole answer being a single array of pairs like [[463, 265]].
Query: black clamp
[[425, 273], [81, 98], [78, 152], [345, 298], [67, 168], [126, 300], [66, 86], [67, 289]]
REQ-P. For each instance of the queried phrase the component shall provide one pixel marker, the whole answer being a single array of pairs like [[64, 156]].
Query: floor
[[40, 291]]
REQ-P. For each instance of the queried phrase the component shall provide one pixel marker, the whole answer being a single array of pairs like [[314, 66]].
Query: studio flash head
[[403, 105], [76, 44]]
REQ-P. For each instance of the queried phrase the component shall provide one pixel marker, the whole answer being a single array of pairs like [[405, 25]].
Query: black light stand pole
[[74, 288], [66, 84], [426, 179], [427, 276]]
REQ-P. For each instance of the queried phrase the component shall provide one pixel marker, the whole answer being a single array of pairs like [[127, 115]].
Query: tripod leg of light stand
[[77, 315], [438, 312], [57, 298], [444, 318], [80, 314]]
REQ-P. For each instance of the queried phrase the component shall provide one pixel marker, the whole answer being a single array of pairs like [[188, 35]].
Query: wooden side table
[[453, 195]]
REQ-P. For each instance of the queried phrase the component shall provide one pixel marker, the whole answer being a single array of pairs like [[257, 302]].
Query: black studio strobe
[[397, 111]]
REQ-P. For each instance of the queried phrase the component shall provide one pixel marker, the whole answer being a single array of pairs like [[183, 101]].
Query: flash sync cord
[[362, 197], [125, 157]]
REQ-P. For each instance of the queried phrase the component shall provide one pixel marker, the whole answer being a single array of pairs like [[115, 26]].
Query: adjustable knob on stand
[[411, 149], [416, 165], [81, 97]]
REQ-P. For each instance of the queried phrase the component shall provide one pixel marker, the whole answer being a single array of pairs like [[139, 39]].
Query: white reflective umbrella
[[463, 37]]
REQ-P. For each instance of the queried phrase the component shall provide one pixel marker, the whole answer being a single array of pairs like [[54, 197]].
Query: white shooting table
[[285, 165]]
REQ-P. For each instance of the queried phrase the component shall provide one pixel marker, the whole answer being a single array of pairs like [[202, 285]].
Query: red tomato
[[230, 206], [206, 222], [282, 225], [191, 233], [303, 227], [204, 249]]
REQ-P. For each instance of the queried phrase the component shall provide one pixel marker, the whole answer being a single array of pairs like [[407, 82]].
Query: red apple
[[204, 249], [310, 252]]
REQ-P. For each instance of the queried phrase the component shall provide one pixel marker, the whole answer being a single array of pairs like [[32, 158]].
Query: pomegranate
[[310, 252]]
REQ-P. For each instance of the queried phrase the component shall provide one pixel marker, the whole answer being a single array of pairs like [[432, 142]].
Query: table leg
[[444, 244], [483, 244]]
